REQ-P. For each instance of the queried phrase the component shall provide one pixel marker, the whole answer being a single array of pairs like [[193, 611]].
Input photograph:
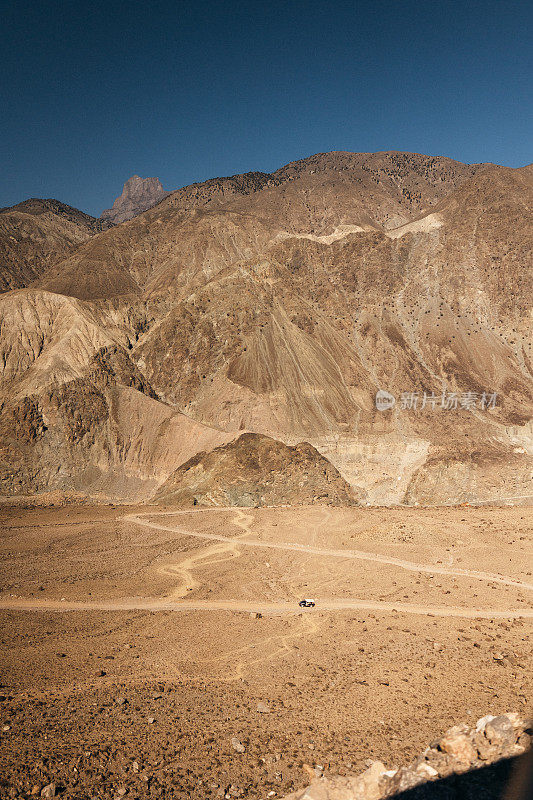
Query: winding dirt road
[[225, 547]]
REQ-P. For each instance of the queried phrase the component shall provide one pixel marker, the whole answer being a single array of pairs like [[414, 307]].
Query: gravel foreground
[[466, 762], [462, 751], [220, 704]]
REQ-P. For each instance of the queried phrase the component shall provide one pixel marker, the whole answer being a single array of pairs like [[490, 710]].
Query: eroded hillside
[[35, 234], [280, 304]]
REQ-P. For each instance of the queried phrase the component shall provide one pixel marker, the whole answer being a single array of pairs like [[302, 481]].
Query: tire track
[[228, 547]]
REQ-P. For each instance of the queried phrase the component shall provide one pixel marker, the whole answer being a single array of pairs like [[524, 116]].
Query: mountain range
[[186, 352]]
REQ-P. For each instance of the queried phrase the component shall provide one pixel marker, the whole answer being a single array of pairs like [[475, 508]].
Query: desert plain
[[150, 651]]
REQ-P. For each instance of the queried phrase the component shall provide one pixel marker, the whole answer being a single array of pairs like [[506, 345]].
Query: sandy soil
[[445, 637]]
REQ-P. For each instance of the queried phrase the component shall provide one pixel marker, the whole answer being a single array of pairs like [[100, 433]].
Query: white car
[[306, 603]]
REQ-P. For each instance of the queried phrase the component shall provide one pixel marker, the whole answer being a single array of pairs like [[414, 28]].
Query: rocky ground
[[463, 749], [208, 703]]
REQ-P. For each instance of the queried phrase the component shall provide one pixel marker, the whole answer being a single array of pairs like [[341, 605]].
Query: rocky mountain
[[36, 233], [137, 196], [280, 304], [256, 470]]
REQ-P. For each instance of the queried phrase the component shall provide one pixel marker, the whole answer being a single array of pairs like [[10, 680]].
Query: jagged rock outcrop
[[256, 470], [460, 750], [137, 196]]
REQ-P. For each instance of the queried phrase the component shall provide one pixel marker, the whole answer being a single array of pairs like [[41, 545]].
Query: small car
[[306, 603]]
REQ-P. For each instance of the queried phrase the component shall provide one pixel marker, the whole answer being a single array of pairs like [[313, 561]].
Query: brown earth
[[256, 470], [36, 233], [213, 647], [279, 304]]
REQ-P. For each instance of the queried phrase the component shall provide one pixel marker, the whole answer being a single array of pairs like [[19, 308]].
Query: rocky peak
[[138, 195]]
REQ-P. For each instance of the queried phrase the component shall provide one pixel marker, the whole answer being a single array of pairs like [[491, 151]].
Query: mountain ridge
[[36, 233], [280, 304]]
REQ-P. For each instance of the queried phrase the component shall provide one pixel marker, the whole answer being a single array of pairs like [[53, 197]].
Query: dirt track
[[342, 682], [185, 567]]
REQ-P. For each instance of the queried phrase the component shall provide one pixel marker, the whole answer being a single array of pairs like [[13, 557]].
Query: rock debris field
[[170, 658]]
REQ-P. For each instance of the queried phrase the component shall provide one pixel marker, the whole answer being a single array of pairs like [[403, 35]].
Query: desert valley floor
[[180, 663]]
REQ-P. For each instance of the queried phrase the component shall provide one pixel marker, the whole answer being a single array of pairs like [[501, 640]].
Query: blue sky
[[93, 93]]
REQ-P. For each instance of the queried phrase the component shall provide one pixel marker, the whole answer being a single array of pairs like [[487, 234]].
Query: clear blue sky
[[95, 92]]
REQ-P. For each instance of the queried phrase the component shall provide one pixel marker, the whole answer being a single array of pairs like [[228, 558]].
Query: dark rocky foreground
[[467, 762]]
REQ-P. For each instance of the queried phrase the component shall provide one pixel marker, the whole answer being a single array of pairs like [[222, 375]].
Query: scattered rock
[[485, 751], [237, 745], [462, 748], [427, 771], [500, 731], [405, 778], [49, 790], [459, 747], [480, 725], [367, 785]]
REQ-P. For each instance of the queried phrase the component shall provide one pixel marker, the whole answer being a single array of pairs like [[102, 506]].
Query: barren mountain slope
[[281, 304], [296, 344], [256, 470], [36, 233], [391, 187], [205, 227], [75, 411]]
